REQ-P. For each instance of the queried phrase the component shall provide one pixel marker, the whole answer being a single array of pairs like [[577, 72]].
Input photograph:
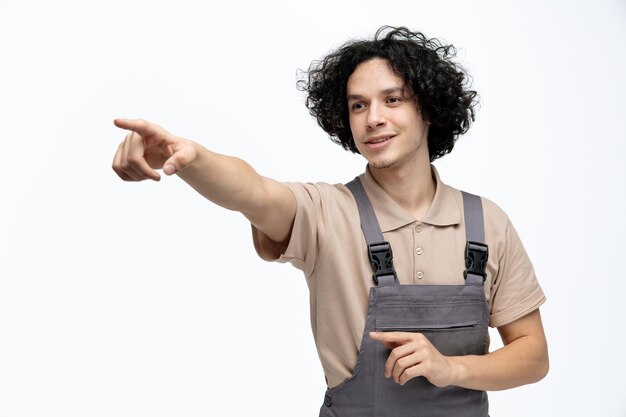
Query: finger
[[144, 128], [391, 345], [179, 160], [117, 163], [396, 337], [411, 372], [127, 167], [404, 364], [127, 177], [136, 160], [395, 357]]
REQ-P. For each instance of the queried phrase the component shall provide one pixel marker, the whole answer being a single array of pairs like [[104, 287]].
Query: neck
[[412, 186]]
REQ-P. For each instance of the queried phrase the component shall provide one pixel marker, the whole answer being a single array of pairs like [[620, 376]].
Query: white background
[[137, 299]]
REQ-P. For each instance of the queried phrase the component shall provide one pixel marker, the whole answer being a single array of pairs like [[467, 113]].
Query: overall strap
[[378, 249], [476, 251]]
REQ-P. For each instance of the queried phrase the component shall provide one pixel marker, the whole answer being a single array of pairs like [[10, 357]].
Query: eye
[[393, 100], [358, 106]]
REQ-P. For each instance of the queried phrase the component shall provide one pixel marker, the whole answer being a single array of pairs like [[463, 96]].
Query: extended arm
[[226, 181]]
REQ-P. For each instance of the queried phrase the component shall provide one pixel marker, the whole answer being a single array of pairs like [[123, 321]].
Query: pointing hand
[[148, 147]]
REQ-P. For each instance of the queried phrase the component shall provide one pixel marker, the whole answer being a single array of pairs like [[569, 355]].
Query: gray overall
[[454, 318]]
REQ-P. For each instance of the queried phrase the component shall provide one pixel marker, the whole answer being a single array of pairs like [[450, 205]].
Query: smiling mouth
[[379, 140]]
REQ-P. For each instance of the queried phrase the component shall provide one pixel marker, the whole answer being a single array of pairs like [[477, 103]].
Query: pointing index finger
[[137, 125], [389, 336]]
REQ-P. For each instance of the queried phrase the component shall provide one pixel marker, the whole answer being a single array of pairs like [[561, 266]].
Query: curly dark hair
[[440, 86]]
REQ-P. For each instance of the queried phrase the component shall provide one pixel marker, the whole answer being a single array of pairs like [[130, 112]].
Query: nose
[[375, 116]]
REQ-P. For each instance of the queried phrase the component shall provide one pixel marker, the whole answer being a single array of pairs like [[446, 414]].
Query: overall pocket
[[429, 327], [455, 329]]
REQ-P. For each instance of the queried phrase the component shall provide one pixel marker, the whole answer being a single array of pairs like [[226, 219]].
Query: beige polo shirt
[[328, 245]]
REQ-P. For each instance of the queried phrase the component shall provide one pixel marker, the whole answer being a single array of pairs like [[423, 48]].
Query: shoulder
[[496, 221], [492, 212]]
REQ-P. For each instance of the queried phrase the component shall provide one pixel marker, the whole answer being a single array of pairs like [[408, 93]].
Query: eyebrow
[[384, 92]]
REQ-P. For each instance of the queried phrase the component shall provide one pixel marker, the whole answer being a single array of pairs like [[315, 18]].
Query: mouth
[[378, 141]]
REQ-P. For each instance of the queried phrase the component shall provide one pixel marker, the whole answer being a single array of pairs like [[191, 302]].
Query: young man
[[411, 339]]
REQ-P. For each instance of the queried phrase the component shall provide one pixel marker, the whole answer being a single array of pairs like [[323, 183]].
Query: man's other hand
[[412, 355]]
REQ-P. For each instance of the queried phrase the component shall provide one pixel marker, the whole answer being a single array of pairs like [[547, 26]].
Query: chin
[[383, 164]]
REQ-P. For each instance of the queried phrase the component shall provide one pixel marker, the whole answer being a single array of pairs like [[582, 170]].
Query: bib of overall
[[454, 319]]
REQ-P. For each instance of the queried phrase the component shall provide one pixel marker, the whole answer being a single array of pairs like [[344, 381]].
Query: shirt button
[[418, 227], [419, 250], [419, 274]]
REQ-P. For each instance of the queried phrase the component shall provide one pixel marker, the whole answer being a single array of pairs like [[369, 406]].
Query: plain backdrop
[[144, 299]]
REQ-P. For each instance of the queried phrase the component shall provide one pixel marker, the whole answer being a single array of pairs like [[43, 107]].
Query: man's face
[[386, 123]]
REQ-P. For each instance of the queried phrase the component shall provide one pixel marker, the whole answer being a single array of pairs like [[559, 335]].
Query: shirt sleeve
[[303, 246], [515, 291]]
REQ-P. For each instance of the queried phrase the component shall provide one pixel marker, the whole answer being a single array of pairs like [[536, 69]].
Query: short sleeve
[[303, 246], [515, 290]]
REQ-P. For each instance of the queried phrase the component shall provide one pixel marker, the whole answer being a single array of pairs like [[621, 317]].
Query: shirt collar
[[444, 209]]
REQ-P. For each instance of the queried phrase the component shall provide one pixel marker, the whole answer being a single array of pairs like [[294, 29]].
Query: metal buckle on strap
[[381, 259], [476, 256]]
